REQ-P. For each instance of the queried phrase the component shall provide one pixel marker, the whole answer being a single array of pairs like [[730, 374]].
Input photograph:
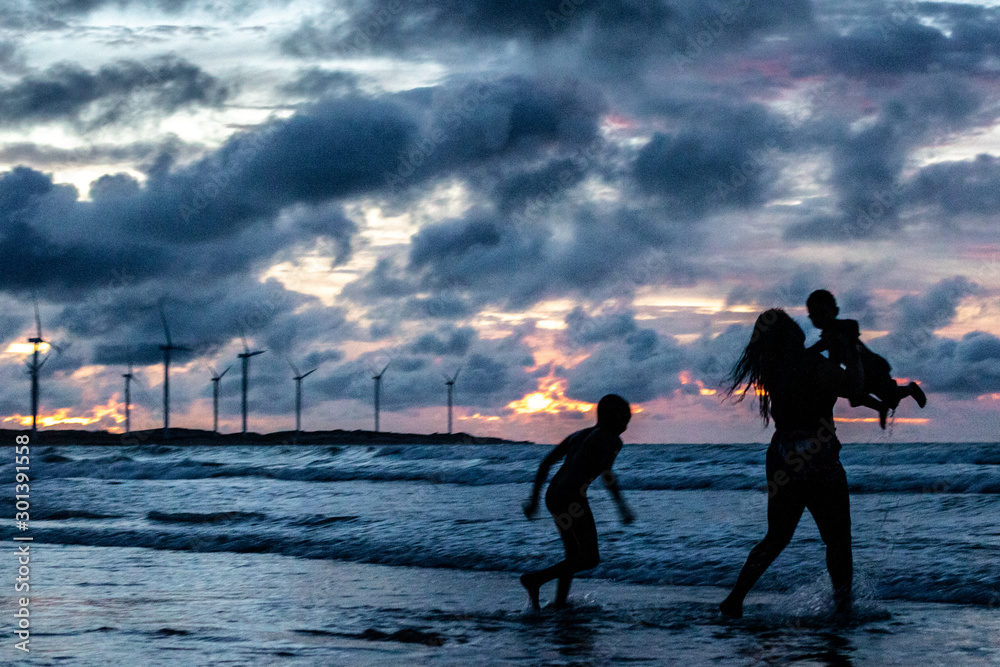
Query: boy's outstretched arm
[[559, 451], [611, 484]]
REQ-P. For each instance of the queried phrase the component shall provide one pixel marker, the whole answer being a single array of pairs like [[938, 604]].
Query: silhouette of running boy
[[838, 337], [589, 454]]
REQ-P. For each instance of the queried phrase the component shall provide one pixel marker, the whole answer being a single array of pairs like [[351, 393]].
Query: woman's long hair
[[757, 368]]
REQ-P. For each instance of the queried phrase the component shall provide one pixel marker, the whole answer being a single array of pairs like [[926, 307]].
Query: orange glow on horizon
[[685, 378], [62, 416], [479, 417], [550, 398], [900, 420], [26, 348]]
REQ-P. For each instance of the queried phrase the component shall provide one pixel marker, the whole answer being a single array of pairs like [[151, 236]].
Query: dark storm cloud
[[896, 39], [196, 219], [720, 159], [53, 13], [965, 367], [68, 92], [616, 36], [517, 262], [959, 187], [11, 58], [515, 191], [314, 82], [868, 161], [206, 318], [919, 316], [583, 329], [449, 341], [480, 123], [640, 366], [44, 156]]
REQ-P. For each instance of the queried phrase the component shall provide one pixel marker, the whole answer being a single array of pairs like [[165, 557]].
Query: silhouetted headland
[[189, 437]]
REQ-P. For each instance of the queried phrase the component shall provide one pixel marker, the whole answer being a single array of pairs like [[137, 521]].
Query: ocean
[[357, 555]]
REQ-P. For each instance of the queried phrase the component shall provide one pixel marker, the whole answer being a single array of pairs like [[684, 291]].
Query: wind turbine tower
[[33, 368], [378, 392], [128, 397], [298, 394], [450, 381], [215, 397], [245, 358], [167, 349]]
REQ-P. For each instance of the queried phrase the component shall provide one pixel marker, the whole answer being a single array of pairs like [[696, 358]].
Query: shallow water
[[316, 555]]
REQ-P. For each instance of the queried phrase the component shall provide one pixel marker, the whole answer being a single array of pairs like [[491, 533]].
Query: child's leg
[[913, 389], [533, 581], [580, 542], [870, 401]]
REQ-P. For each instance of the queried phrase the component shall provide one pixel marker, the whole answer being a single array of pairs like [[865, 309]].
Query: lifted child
[[589, 454], [880, 393]]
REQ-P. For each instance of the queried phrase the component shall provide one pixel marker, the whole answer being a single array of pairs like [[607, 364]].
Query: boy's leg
[[579, 536], [580, 540]]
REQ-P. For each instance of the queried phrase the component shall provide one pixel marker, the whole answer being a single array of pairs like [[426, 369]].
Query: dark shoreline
[[190, 437]]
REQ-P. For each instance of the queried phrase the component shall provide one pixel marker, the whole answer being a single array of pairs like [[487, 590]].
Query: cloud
[[583, 329], [966, 367], [959, 187], [497, 259], [314, 82], [720, 159], [640, 367], [916, 38], [41, 156], [68, 92], [614, 37], [868, 160]]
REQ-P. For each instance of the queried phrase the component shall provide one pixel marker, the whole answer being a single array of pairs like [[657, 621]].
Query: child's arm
[[531, 506], [611, 484], [822, 345]]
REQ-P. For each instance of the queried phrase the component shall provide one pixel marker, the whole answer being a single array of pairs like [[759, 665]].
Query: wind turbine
[[128, 396], [378, 392], [33, 368], [450, 381], [298, 394], [215, 397], [245, 358], [167, 349]]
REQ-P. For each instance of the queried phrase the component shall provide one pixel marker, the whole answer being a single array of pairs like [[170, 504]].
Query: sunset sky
[[561, 200]]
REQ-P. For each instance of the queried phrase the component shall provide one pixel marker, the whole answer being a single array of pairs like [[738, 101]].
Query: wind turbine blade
[[225, 371], [166, 329], [309, 373], [455, 376], [38, 321], [294, 369], [246, 348], [383, 370]]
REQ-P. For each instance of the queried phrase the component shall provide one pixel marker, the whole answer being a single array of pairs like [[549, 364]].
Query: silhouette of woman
[[798, 389]]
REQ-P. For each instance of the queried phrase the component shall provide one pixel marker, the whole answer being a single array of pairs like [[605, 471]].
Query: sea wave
[[970, 586]]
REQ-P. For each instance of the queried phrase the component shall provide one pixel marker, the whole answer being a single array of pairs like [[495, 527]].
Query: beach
[[409, 554]]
